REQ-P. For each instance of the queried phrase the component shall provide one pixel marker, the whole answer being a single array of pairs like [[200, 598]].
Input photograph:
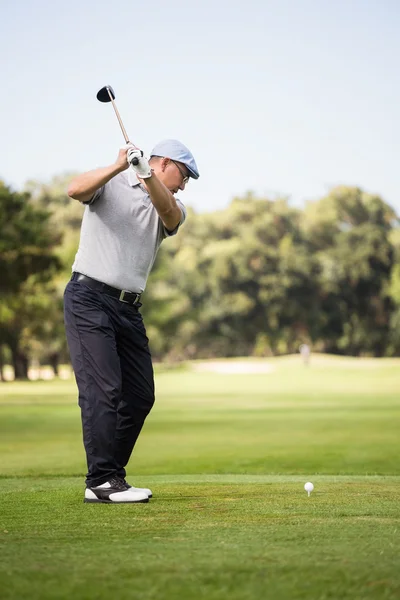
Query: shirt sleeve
[[168, 233], [95, 196]]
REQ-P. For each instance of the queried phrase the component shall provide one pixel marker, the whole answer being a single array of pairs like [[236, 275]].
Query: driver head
[[104, 94]]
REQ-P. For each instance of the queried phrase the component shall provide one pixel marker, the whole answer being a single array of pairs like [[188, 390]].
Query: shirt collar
[[132, 179]]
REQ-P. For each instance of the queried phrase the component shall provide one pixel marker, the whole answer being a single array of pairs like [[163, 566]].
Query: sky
[[277, 97]]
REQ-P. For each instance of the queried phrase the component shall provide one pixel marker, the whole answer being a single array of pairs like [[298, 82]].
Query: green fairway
[[226, 457]]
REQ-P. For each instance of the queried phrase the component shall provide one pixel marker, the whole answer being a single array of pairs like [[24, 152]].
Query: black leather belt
[[122, 295]]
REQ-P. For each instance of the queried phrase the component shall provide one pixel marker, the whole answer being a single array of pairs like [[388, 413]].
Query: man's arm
[[164, 202], [84, 186]]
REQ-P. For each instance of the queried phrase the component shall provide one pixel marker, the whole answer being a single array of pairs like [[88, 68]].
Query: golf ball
[[309, 486]]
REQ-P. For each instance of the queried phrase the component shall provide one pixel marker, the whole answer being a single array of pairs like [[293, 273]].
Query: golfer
[[130, 209]]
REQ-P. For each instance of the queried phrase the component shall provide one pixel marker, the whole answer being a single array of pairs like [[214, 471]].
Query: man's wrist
[[151, 177]]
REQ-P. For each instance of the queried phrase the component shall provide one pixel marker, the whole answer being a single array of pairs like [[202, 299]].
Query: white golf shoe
[[144, 490], [115, 491]]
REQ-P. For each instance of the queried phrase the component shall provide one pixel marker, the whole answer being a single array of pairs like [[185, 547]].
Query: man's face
[[173, 174]]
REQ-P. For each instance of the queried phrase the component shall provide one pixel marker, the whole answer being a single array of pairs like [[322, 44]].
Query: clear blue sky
[[275, 96]]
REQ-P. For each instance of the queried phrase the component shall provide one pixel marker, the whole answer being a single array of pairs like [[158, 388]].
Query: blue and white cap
[[177, 151]]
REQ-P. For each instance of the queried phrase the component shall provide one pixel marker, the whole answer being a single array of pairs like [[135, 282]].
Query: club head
[[104, 94]]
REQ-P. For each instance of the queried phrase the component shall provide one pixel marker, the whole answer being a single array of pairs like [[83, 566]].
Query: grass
[[226, 457]]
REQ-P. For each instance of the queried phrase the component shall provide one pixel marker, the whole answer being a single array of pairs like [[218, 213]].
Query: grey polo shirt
[[121, 233]]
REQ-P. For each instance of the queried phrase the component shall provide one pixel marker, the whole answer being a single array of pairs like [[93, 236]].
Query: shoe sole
[[97, 501]]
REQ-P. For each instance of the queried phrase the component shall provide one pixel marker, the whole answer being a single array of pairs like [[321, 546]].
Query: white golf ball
[[309, 486]]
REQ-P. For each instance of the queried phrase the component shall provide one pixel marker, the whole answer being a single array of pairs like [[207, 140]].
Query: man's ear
[[164, 163]]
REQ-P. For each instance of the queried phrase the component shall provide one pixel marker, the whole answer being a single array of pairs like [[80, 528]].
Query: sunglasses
[[185, 178]]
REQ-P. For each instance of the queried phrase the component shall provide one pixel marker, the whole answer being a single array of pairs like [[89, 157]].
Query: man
[[130, 209]]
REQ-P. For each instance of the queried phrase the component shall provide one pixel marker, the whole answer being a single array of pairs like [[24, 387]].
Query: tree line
[[259, 278]]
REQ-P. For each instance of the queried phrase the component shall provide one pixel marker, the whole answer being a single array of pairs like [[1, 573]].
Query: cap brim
[[192, 174]]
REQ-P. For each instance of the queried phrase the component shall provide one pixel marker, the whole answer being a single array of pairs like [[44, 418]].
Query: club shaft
[[119, 119]]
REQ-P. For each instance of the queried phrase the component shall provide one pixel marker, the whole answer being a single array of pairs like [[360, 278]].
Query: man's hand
[[142, 169], [121, 161]]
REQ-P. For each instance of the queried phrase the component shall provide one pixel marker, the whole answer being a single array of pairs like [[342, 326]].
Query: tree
[[27, 263], [49, 342], [237, 281], [349, 234]]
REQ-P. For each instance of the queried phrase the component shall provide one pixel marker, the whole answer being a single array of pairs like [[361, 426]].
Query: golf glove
[[142, 169]]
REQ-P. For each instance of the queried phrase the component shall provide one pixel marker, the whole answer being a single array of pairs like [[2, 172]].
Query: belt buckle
[[122, 294]]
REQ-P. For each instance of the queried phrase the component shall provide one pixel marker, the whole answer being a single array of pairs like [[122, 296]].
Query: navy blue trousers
[[113, 369]]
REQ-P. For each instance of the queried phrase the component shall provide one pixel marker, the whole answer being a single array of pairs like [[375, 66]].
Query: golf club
[[106, 94]]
